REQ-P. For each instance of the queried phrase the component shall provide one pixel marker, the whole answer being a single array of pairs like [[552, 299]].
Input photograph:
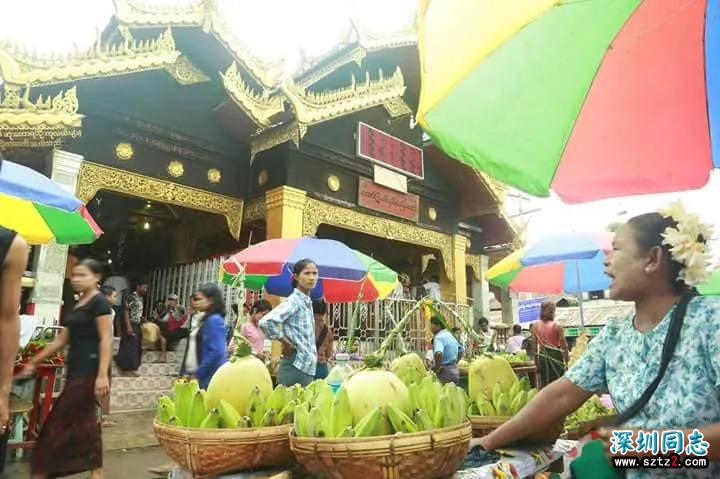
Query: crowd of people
[[642, 267]]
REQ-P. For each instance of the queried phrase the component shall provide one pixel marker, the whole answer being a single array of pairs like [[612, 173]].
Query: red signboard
[[379, 147], [378, 198]]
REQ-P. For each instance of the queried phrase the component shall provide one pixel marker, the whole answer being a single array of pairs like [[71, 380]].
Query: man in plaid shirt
[[292, 323]]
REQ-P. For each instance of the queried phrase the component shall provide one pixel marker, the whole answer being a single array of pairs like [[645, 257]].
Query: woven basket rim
[[458, 428], [237, 434], [488, 419]]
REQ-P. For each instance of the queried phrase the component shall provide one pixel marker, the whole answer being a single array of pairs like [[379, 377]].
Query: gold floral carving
[[175, 168], [124, 151], [396, 107], [185, 73], [94, 177], [43, 122], [18, 67], [317, 73], [153, 14], [315, 107], [318, 212], [260, 107], [474, 261], [254, 210], [214, 175], [276, 136]]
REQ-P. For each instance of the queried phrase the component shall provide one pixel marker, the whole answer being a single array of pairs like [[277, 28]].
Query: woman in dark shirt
[[70, 441]]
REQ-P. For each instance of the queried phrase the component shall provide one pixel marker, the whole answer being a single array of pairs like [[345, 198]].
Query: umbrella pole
[[579, 294]]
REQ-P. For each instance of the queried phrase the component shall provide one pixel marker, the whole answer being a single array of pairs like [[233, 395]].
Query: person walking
[[205, 351], [70, 441], [292, 324]]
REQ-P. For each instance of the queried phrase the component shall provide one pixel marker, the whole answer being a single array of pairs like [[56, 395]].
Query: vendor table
[[47, 374]]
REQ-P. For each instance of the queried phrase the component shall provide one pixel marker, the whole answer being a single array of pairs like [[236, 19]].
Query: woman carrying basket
[[660, 366]]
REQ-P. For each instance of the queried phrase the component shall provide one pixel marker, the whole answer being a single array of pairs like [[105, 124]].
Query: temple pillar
[[284, 219], [284, 212], [509, 301], [52, 258], [455, 290], [481, 291]]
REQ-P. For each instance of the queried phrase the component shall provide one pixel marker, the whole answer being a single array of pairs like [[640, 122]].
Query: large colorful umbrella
[[345, 274], [594, 99], [571, 264], [40, 210]]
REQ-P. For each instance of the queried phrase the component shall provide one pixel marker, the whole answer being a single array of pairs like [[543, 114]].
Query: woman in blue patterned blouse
[[656, 258]]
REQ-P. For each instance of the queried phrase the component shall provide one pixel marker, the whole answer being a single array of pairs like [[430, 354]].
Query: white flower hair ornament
[[689, 243]]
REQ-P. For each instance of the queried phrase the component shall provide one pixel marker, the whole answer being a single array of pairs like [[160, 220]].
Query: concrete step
[[152, 369], [142, 383], [136, 400], [174, 357]]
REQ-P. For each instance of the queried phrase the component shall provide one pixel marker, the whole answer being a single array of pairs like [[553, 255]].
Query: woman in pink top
[[252, 332], [551, 344]]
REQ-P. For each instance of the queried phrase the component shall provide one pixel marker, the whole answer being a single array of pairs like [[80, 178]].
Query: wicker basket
[[215, 451], [421, 455], [484, 425]]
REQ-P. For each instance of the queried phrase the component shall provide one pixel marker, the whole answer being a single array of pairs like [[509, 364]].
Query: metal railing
[[376, 319]]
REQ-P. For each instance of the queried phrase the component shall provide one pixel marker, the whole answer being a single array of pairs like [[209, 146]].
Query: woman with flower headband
[[656, 261]]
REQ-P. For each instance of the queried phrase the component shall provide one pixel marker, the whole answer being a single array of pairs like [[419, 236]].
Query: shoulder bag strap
[[322, 336], [671, 340]]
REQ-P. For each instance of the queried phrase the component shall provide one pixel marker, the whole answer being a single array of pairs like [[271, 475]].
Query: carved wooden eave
[[204, 14], [498, 190], [20, 67], [315, 107], [275, 136], [45, 122], [260, 107]]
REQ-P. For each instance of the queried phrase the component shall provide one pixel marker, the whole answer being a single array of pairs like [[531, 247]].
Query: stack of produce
[[495, 389], [193, 407], [589, 412], [519, 357], [375, 403], [240, 395], [410, 368], [33, 348]]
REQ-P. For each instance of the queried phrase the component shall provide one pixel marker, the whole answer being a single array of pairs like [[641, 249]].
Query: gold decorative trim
[[254, 210], [185, 73], [277, 136], [333, 183], [46, 122], [124, 151], [355, 55], [313, 107], [175, 169], [205, 14], [475, 262], [214, 176], [260, 107], [263, 176], [94, 177], [396, 107], [18, 67], [318, 212]]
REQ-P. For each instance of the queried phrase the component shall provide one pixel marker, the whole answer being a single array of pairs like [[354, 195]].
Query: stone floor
[[130, 448]]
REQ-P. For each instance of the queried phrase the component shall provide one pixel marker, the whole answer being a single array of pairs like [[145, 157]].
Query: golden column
[[284, 212], [455, 289], [284, 219]]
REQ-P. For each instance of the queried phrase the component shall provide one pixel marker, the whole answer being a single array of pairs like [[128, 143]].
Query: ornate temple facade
[[171, 130]]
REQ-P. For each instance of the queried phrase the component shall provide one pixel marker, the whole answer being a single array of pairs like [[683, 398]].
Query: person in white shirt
[[515, 341], [432, 288]]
